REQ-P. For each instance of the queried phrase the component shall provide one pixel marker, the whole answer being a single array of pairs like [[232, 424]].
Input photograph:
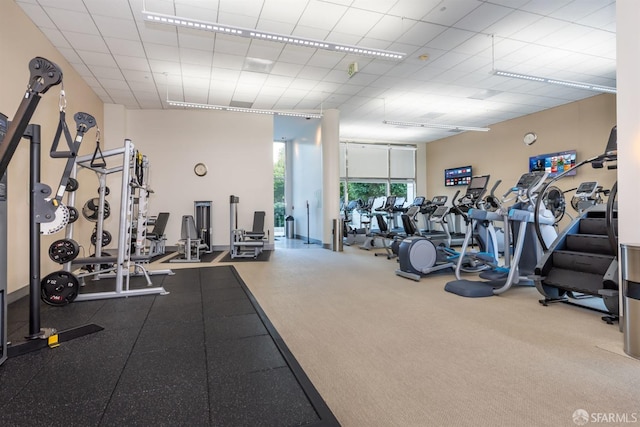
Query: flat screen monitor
[[479, 182], [457, 176], [554, 163]]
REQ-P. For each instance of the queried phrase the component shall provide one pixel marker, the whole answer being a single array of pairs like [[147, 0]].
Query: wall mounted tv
[[554, 163], [457, 176]]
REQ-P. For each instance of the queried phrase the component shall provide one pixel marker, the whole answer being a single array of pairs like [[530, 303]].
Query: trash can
[[288, 228], [336, 231], [630, 263]]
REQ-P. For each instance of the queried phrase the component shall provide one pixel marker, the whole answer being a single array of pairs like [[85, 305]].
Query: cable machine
[[42, 209]]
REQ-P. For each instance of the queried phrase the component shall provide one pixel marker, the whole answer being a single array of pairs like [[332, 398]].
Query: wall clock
[[200, 169], [530, 138]]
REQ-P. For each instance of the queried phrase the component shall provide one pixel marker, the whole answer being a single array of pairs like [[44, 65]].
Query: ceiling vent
[[257, 65]]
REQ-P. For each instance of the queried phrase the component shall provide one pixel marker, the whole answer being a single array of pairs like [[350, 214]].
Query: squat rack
[[124, 260]]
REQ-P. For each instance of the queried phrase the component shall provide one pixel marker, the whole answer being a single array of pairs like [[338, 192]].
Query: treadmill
[[427, 209]]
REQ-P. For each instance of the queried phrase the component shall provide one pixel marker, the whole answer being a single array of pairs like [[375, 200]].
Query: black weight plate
[[106, 238], [64, 250], [72, 185], [90, 209], [106, 191], [73, 214], [59, 288]]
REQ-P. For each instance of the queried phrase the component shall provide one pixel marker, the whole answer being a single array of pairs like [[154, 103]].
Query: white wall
[[628, 102], [236, 147]]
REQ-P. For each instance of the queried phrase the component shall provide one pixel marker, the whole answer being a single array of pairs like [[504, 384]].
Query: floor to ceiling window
[[278, 187], [376, 171]]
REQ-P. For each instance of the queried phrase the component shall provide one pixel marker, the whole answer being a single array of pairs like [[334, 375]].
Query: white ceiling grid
[[139, 64]]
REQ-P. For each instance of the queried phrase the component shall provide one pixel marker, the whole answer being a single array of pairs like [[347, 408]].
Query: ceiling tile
[[296, 54], [265, 50], [70, 5], [421, 33], [193, 72], [117, 27], [56, 37], [196, 39], [107, 73], [322, 15], [169, 67], [482, 17], [414, 9], [132, 63], [232, 62], [125, 47], [357, 21], [88, 42], [447, 13], [196, 57], [237, 20], [159, 51], [288, 70], [110, 84], [37, 15], [70, 55], [236, 46], [200, 12], [114, 8], [158, 34], [134, 76], [70, 20], [450, 39]]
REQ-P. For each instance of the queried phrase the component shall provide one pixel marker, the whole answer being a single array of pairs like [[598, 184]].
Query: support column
[[330, 131], [628, 105]]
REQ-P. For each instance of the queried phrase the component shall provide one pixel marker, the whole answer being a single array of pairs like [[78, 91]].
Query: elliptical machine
[[526, 250], [419, 256]]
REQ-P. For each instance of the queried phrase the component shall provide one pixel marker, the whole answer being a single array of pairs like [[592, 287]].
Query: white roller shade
[[343, 160], [402, 162], [368, 161]]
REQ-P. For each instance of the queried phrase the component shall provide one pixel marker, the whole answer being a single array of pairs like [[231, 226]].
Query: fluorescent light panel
[[243, 110], [161, 18], [567, 83], [435, 126]]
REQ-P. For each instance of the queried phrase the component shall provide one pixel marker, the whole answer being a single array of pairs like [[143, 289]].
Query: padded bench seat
[[107, 260]]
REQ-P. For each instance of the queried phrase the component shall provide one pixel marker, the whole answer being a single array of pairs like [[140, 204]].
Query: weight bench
[[121, 275], [156, 237], [249, 244], [190, 244]]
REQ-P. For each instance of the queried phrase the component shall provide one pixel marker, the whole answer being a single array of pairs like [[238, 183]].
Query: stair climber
[[582, 264]]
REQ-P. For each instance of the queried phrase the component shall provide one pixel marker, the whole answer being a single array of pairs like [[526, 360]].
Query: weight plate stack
[[72, 185], [106, 238], [73, 214], [64, 250], [59, 288]]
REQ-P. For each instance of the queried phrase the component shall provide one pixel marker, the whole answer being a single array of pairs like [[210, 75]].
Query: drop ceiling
[[451, 48]]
